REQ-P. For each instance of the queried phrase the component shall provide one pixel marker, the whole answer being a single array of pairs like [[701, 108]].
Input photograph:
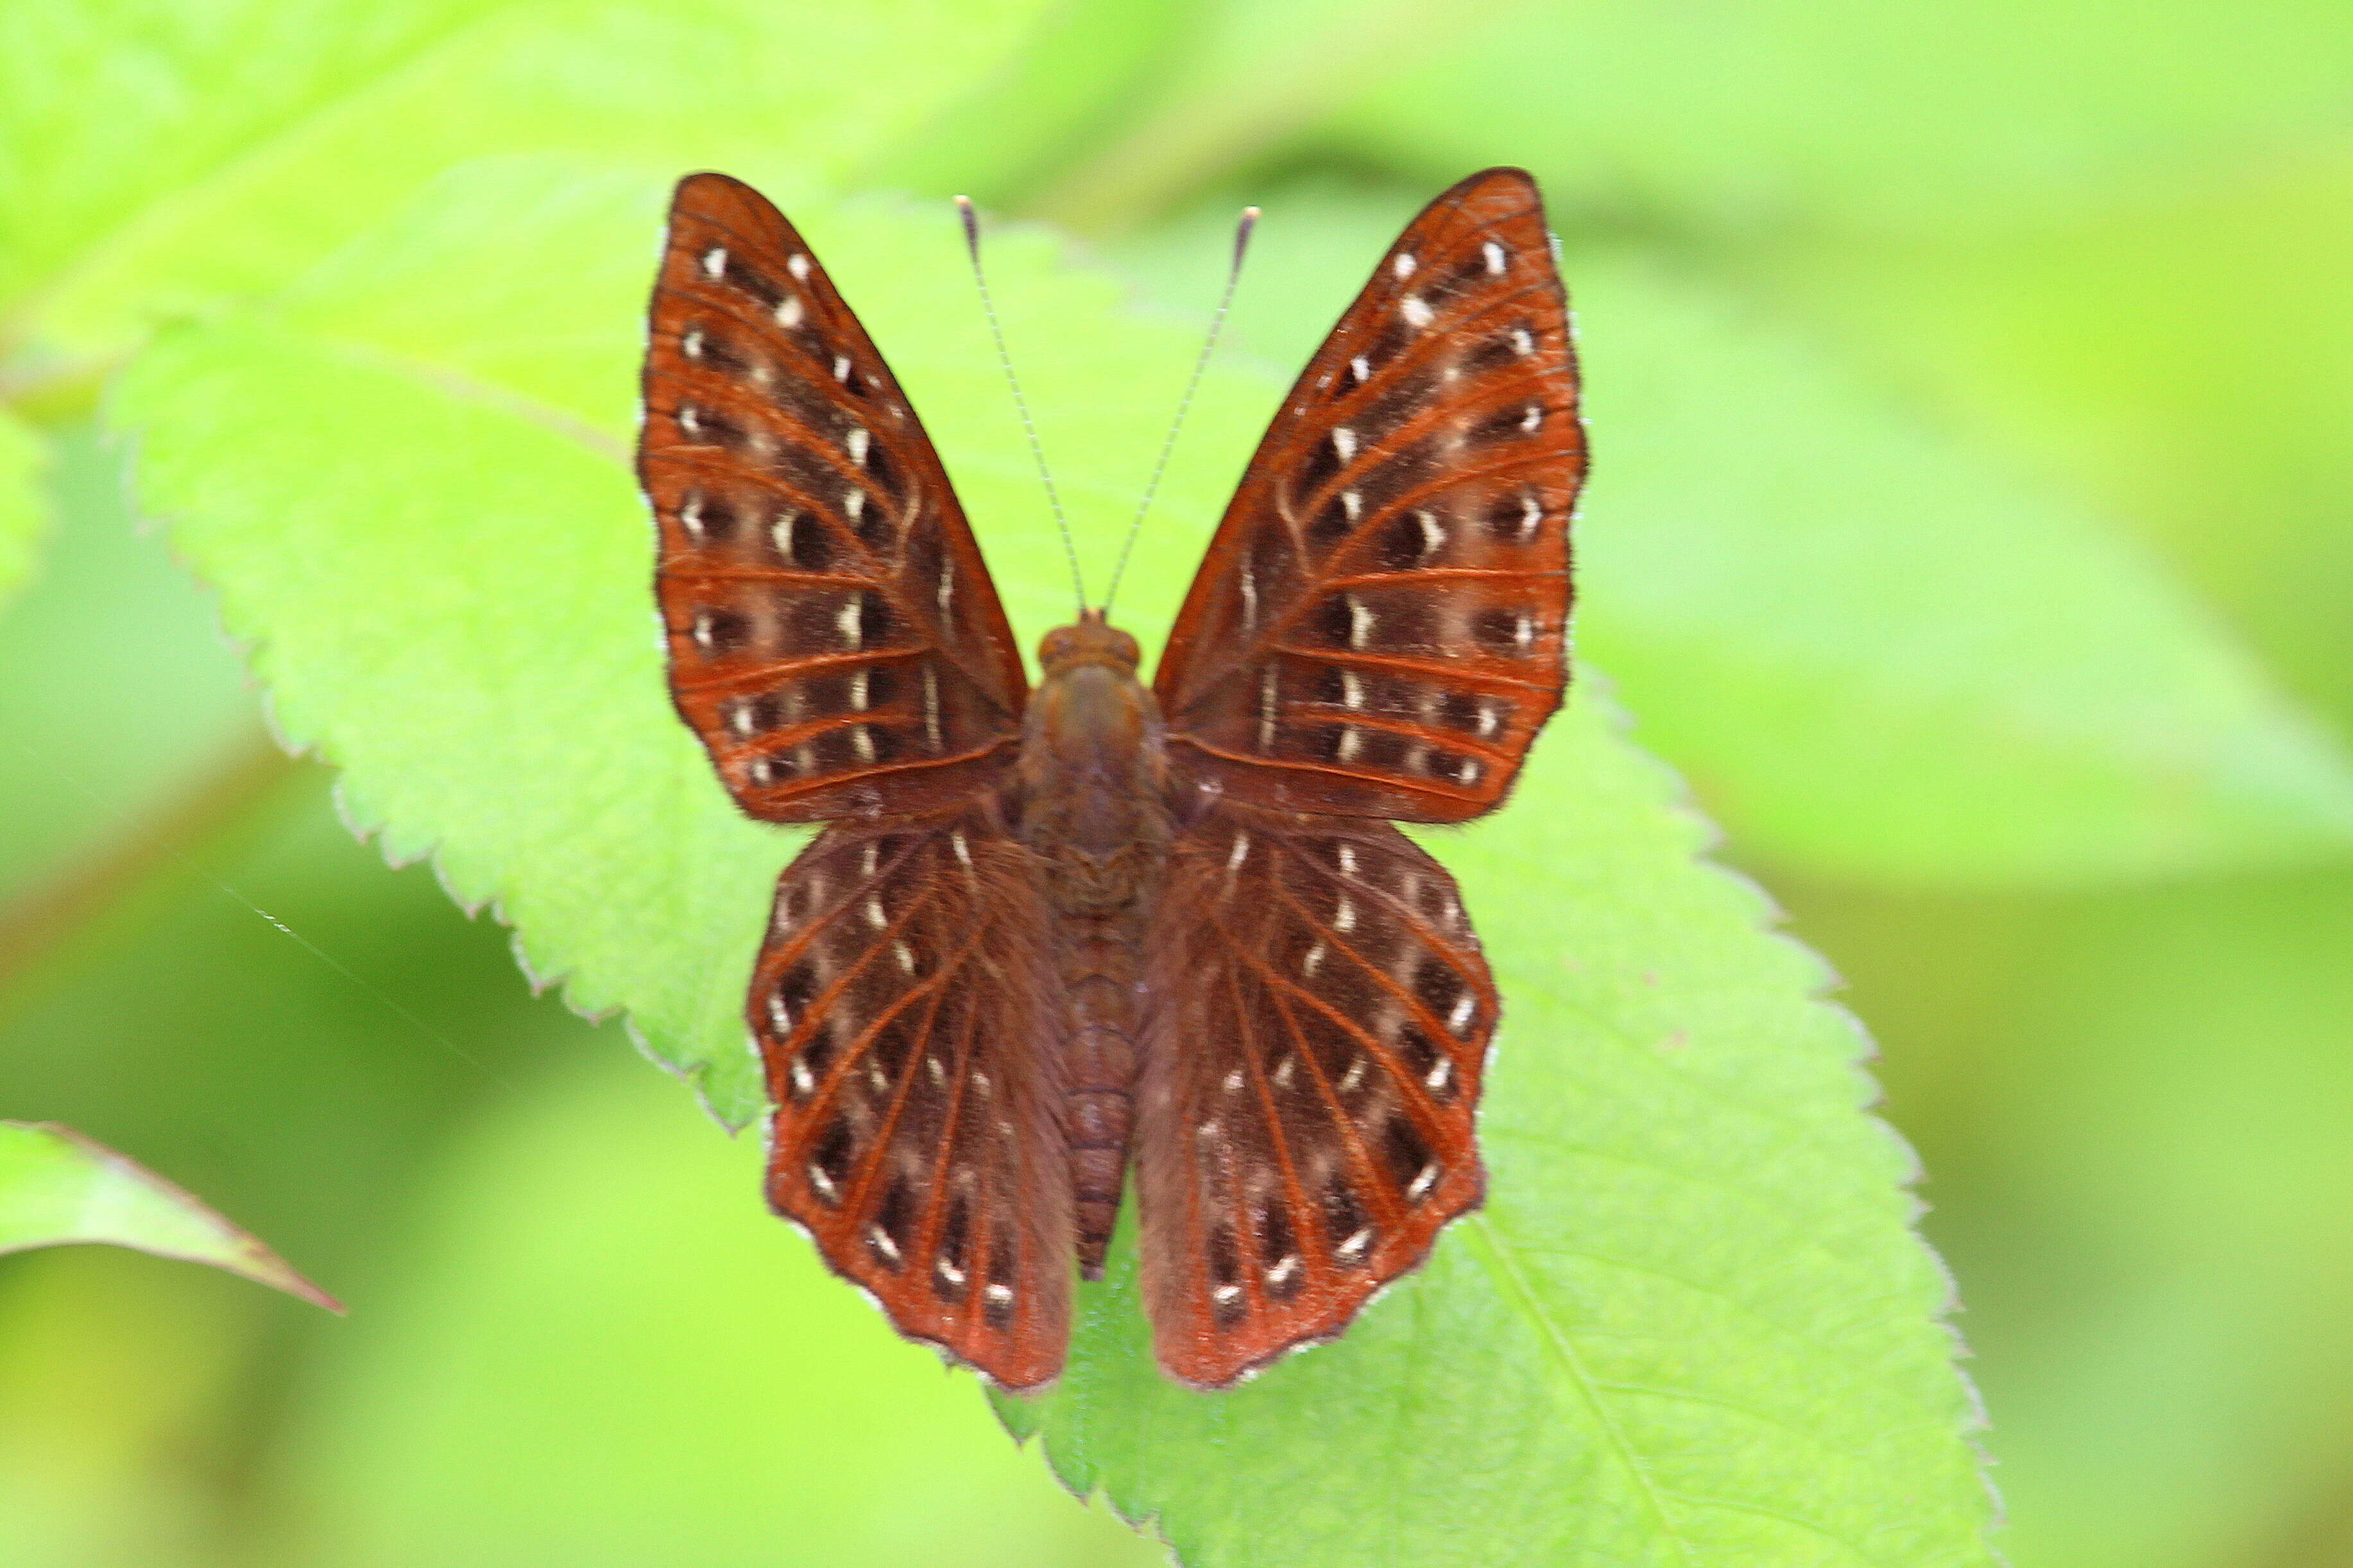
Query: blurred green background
[[2093, 255]]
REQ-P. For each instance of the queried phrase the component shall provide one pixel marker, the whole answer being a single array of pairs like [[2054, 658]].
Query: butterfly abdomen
[[1093, 811]]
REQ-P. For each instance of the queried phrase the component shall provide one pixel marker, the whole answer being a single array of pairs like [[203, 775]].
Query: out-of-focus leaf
[[1069, 92], [2134, 1104], [159, 157], [2183, 361], [23, 507], [1928, 116], [1698, 1252], [1244, 74], [623, 1360], [57, 1187], [1876, 653]]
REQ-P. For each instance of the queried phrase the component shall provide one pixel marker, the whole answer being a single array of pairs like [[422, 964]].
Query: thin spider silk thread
[[1020, 404], [1185, 404]]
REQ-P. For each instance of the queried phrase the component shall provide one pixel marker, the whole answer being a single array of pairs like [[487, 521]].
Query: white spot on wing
[[789, 311], [851, 621], [1415, 311], [862, 739], [714, 261], [1433, 536], [1494, 255], [1421, 1184], [857, 441], [859, 683], [1352, 741], [798, 267], [1404, 264], [1463, 1007], [1344, 914], [1361, 369], [1360, 622], [1344, 441], [842, 367], [1241, 852]]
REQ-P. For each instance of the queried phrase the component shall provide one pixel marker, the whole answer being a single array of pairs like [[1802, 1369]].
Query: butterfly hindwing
[[834, 637], [1310, 1068], [903, 1006], [1380, 625]]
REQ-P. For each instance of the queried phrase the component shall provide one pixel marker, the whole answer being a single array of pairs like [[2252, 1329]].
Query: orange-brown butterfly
[[1051, 936]]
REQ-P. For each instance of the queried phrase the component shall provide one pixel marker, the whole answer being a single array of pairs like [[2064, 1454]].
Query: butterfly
[[1051, 939]]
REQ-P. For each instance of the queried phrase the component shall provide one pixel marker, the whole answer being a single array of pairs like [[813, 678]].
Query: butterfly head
[[1092, 640]]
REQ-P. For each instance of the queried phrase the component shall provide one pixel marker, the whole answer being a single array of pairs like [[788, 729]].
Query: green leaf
[[1876, 653], [162, 157], [57, 1187], [24, 506], [1848, 115], [1695, 1319]]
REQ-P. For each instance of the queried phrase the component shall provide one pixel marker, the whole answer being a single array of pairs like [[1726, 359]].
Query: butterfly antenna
[[1185, 404], [1020, 404]]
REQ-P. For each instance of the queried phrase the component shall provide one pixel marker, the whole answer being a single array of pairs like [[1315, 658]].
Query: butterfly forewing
[[1311, 1072], [834, 637], [1380, 625], [902, 1003]]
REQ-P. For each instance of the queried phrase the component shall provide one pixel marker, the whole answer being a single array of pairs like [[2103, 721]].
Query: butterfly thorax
[[1093, 811]]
